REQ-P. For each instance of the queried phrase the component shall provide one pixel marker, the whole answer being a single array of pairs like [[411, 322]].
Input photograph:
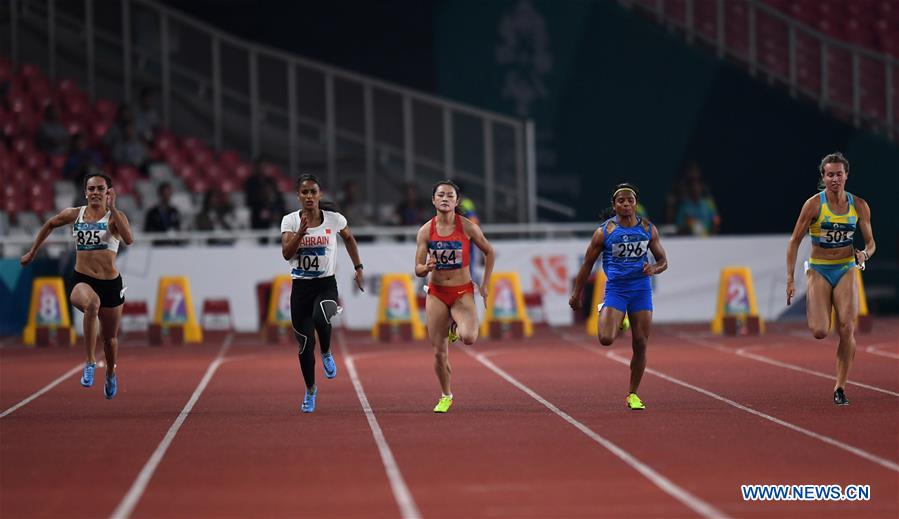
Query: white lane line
[[821, 437], [742, 352], [401, 493], [129, 502], [877, 351], [666, 485], [41, 391]]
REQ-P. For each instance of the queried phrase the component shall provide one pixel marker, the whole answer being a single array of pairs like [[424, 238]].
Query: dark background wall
[[615, 96]]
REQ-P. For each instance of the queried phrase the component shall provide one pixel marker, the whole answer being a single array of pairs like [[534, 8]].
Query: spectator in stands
[[80, 160], [163, 217], [351, 204], [131, 150], [697, 213], [269, 209], [116, 132], [147, 119], [254, 184], [52, 136], [411, 210], [217, 215]]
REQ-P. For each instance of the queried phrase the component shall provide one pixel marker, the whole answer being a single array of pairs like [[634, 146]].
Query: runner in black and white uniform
[[98, 292], [309, 243]]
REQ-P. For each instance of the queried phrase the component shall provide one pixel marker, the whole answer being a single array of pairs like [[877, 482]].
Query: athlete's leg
[[465, 313], [818, 303], [845, 298], [304, 331], [641, 322], [438, 321], [609, 324], [109, 328], [85, 299], [323, 309]]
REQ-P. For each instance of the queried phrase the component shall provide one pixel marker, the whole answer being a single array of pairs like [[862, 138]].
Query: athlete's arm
[[424, 263], [476, 235], [65, 217], [809, 211], [864, 224], [655, 245], [353, 250], [120, 224], [290, 241], [593, 251]]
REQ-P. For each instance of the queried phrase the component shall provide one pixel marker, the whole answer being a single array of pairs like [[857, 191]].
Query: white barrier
[[685, 293]]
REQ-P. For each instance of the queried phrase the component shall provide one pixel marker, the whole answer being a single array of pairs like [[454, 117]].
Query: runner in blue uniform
[[624, 241]]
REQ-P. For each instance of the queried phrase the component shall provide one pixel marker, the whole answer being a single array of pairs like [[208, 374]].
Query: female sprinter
[[442, 249], [309, 243], [624, 241], [98, 291], [831, 218]]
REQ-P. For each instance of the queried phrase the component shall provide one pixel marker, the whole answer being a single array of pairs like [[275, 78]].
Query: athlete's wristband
[[863, 251], [357, 267]]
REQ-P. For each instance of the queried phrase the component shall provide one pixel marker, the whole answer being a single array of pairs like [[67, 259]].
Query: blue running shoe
[[328, 364], [110, 388], [87, 376], [309, 400]]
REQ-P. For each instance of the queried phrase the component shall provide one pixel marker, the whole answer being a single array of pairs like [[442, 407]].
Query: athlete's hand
[[648, 269], [359, 279], [110, 198], [431, 263], [483, 290], [860, 259], [304, 226], [791, 290], [26, 258], [575, 302]]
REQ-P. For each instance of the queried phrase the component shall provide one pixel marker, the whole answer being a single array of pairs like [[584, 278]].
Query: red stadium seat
[[57, 162], [174, 159], [33, 160], [228, 185], [242, 171], [20, 176], [68, 86], [213, 172], [201, 157], [105, 110], [98, 130], [197, 185], [229, 159], [41, 203], [193, 144], [188, 172], [46, 175], [22, 146]]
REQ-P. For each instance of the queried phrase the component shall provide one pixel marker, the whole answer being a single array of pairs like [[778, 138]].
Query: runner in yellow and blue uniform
[[624, 241], [831, 218]]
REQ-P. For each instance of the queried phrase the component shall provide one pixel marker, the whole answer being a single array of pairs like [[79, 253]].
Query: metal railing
[[854, 82], [263, 101]]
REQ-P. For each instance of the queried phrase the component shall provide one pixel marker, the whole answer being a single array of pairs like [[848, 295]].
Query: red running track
[[538, 429]]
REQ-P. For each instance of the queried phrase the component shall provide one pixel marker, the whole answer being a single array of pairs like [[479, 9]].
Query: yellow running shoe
[[453, 335], [634, 402], [443, 404], [625, 324]]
